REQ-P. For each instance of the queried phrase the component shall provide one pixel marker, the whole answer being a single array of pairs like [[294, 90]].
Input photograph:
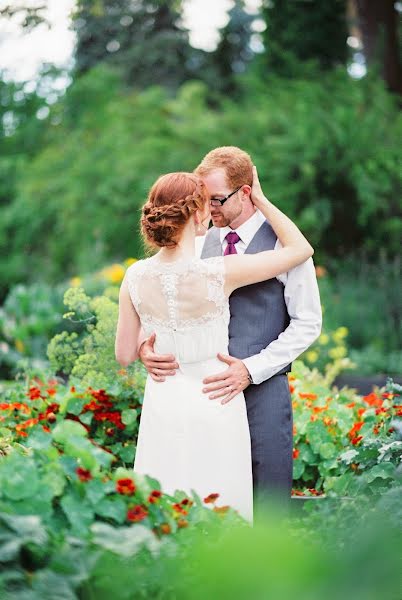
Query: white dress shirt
[[302, 299]]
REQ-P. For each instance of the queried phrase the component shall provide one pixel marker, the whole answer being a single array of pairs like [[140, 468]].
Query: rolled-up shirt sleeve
[[303, 304]]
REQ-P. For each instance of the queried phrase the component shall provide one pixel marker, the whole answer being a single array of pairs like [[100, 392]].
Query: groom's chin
[[218, 221]]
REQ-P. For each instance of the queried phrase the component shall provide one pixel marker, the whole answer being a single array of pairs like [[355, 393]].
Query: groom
[[271, 323]]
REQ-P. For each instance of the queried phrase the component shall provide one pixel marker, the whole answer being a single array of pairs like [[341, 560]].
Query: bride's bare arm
[[252, 268], [128, 329]]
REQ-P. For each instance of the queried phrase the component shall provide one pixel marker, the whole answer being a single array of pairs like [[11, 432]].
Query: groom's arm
[[302, 300]]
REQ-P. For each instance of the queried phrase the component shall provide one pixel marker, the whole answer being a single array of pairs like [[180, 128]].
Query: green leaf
[[327, 450], [125, 541], [129, 416], [75, 405], [95, 490], [67, 429], [112, 507], [298, 468], [78, 512], [18, 477]]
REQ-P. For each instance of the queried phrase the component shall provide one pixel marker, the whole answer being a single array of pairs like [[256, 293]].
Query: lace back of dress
[[180, 294]]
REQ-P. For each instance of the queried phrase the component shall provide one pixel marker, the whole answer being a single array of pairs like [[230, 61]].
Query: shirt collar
[[247, 230]]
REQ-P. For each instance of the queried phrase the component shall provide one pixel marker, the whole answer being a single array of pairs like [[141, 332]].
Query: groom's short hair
[[236, 163]]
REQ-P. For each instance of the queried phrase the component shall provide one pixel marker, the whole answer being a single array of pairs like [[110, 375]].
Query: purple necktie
[[232, 239]]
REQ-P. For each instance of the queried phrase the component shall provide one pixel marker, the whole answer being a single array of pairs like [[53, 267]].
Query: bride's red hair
[[172, 200]]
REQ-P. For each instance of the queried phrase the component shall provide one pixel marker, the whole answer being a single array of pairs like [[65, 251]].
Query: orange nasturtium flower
[[125, 486], [83, 474], [308, 396], [136, 513], [211, 498]]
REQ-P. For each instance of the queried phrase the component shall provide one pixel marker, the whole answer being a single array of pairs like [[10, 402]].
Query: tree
[[306, 30], [378, 23], [234, 52], [143, 38]]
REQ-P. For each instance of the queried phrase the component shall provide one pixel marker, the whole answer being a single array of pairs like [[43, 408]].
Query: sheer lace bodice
[[184, 303]]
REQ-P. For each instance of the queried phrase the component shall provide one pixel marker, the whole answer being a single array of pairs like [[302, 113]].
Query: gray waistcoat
[[258, 312]]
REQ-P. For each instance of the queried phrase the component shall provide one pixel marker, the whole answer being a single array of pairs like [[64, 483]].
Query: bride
[[187, 441]]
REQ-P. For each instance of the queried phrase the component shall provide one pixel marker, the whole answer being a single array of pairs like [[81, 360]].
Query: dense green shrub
[[327, 152]]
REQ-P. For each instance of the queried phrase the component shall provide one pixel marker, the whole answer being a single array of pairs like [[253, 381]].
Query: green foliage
[[302, 31], [28, 318], [366, 298], [342, 442], [327, 152], [144, 40], [88, 354], [233, 53]]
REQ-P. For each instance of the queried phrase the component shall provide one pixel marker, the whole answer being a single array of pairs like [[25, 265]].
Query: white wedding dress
[[187, 441]]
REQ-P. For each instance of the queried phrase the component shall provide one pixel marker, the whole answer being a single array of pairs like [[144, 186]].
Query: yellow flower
[[19, 345], [340, 334], [130, 261], [312, 356], [338, 352], [75, 281], [323, 339], [114, 273]]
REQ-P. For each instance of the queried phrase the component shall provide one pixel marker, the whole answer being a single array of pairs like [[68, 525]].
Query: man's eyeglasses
[[221, 201]]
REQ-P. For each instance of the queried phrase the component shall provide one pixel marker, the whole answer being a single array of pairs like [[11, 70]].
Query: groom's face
[[219, 187]]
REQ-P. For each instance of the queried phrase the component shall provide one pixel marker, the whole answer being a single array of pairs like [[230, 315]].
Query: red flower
[[72, 389], [182, 523], [113, 417], [350, 405], [136, 513], [51, 391], [308, 396], [25, 424], [211, 498], [99, 395], [46, 428], [296, 452], [34, 393], [357, 439], [154, 496], [381, 411], [92, 405], [291, 388], [179, 509], [361, 411], [125, 486], [373, 400], [83, 474], [356, 427], [318, 409], [221, 509], [186, 502], [165, 528]]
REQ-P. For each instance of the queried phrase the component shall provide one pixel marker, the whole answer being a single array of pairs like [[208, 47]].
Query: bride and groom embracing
[[217, 325]]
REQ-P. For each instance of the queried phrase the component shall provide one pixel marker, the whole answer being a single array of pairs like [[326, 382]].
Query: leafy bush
[[339, 435], [327, 151]]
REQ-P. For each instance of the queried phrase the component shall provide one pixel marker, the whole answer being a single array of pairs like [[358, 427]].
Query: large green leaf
[[18, 477], [66, 429]]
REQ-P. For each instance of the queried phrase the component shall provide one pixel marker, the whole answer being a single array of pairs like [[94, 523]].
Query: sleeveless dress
[[187, 441]]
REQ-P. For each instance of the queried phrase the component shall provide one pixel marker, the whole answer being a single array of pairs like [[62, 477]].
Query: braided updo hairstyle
[[173, 199]]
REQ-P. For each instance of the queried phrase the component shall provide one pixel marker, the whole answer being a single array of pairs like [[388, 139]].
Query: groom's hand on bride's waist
[[230, 382], [158, 365]]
